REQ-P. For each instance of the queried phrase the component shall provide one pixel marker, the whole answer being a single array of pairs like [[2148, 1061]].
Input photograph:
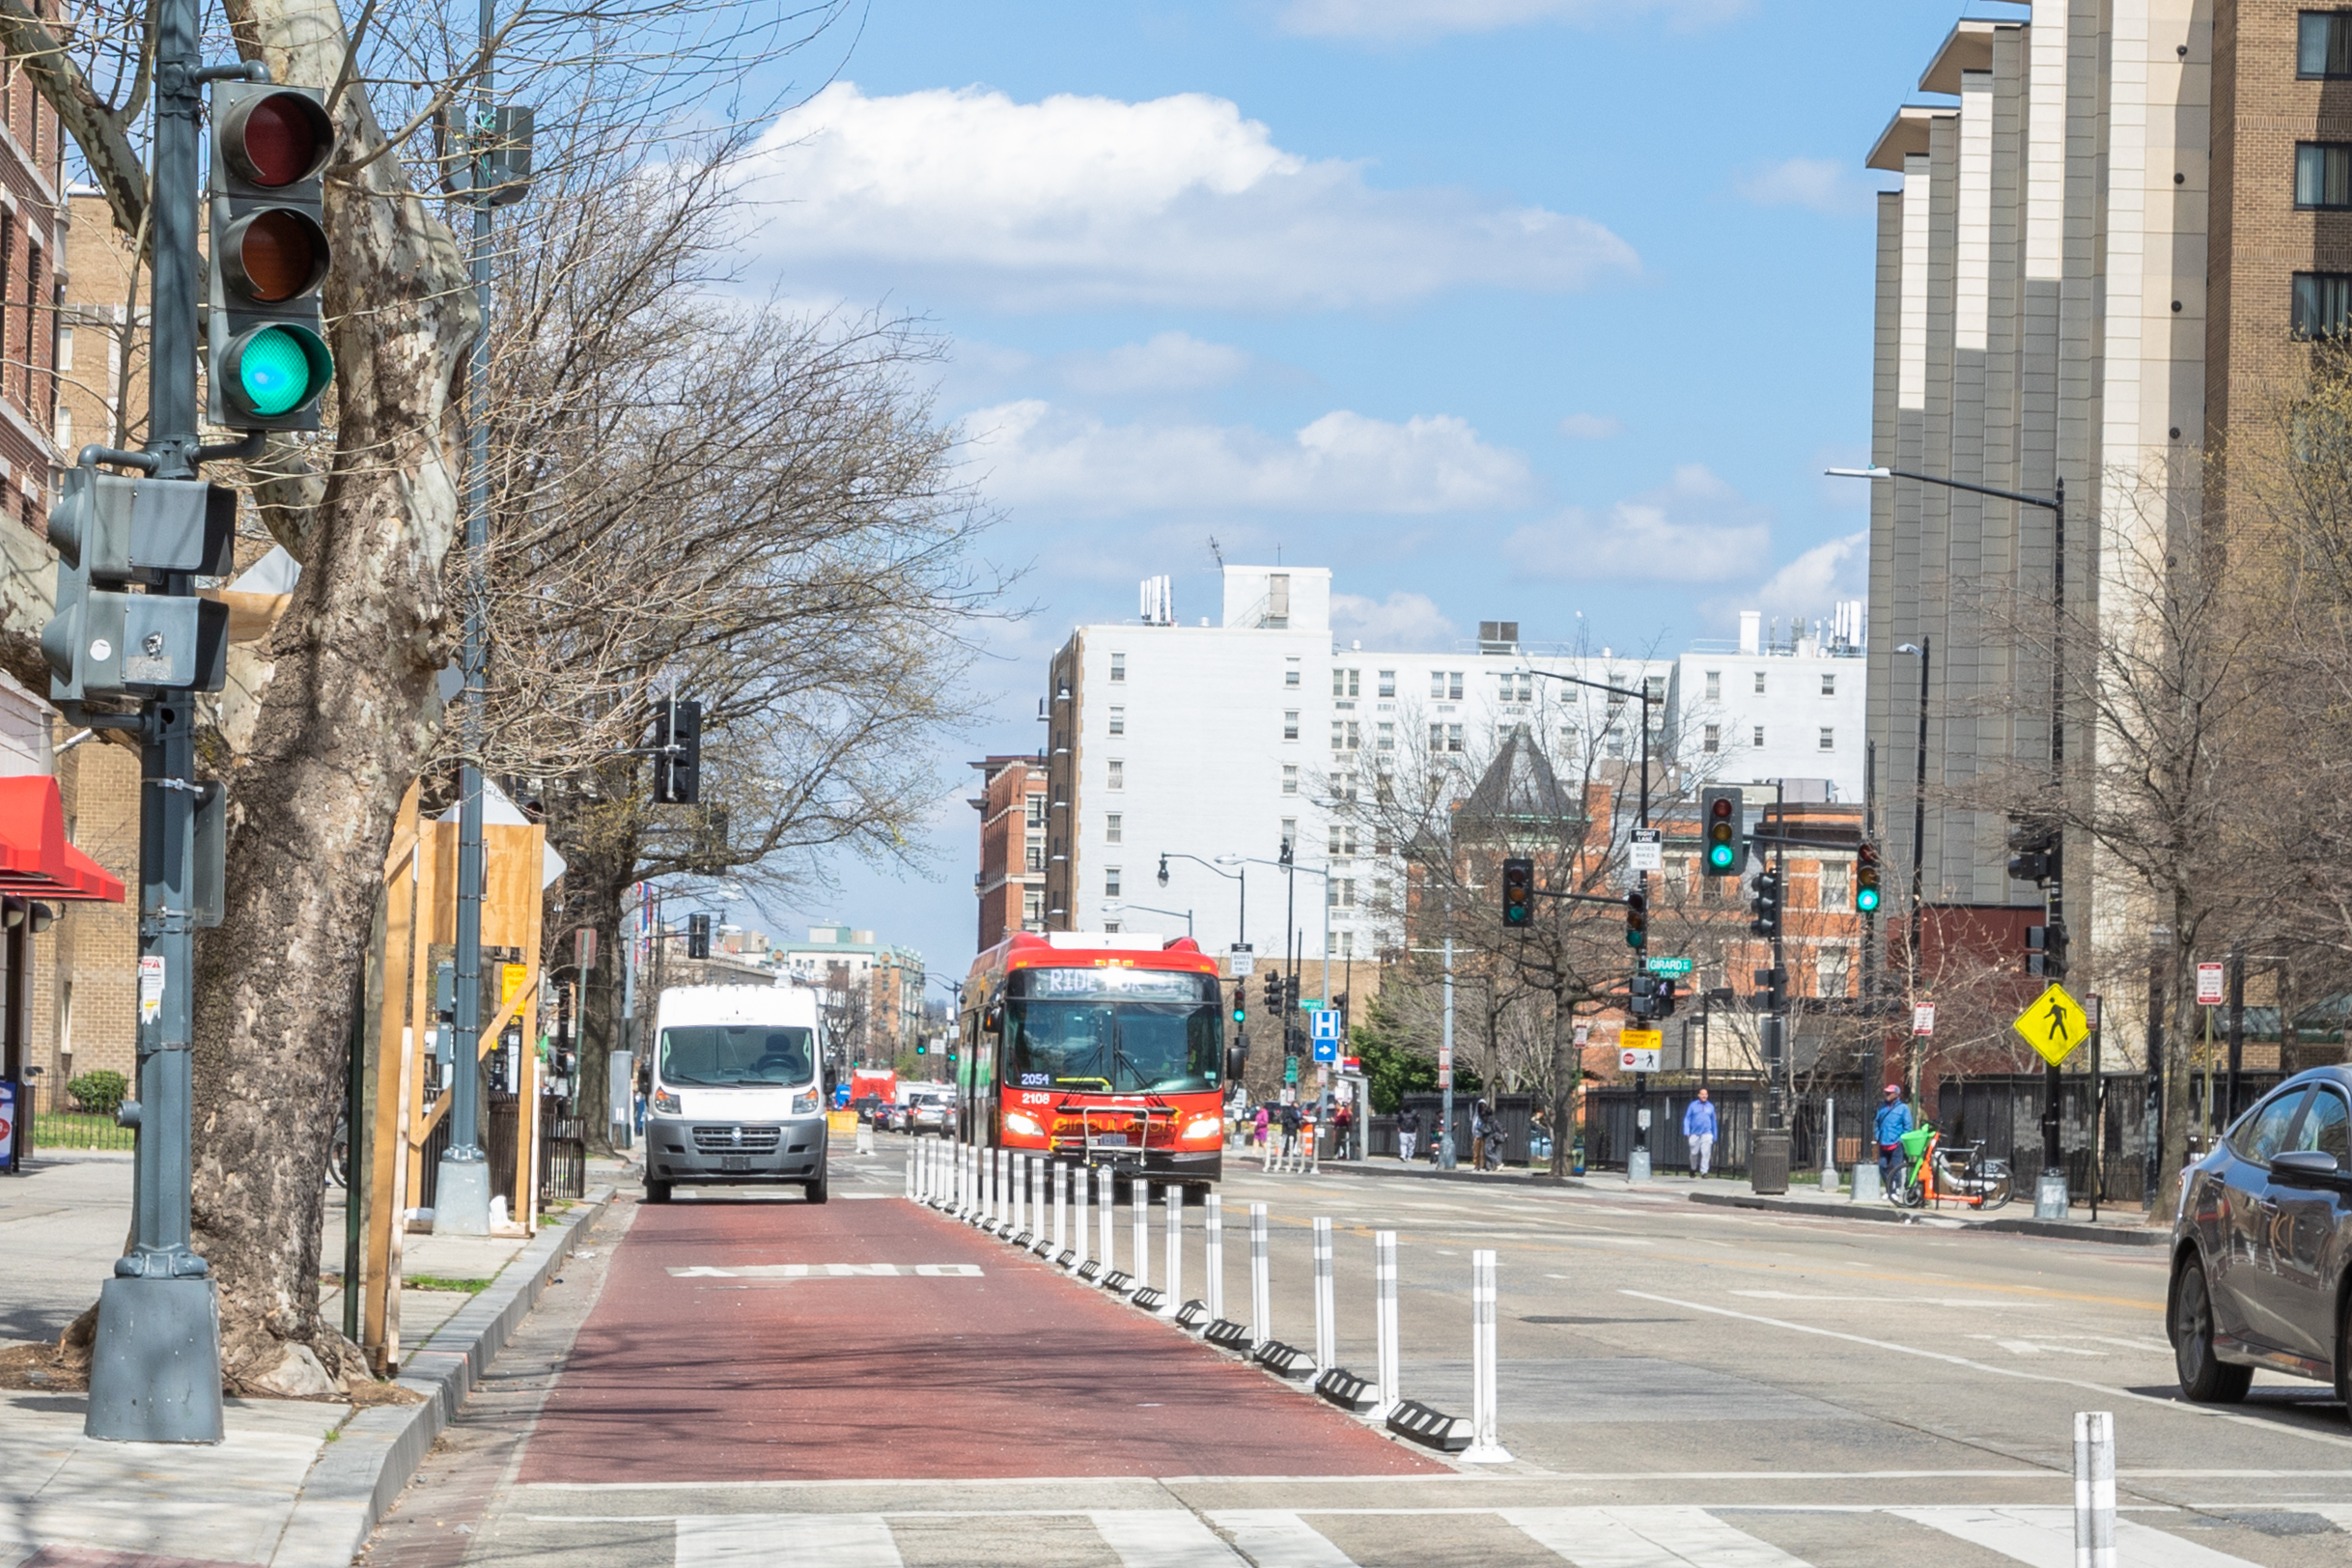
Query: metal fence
[[56, 1121], [563, 1150]]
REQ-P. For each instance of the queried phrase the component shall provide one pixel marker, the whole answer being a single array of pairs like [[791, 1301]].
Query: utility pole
[[461, 1199]]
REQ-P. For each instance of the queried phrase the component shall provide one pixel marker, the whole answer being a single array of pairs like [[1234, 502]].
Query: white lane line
[[785, 1540], [2044, 1538], [1645, 1538], [2107, 1390], [1163, 1538], [1273, 1539]]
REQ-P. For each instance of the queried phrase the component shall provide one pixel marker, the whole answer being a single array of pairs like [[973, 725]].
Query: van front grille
[[737, 1139]]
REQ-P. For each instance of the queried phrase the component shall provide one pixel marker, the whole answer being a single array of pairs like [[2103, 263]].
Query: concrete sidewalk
[[296, 1482]]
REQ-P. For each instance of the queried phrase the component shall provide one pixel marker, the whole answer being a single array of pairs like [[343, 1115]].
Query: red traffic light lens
[[1722, 807], [278, 139], [277, 254]]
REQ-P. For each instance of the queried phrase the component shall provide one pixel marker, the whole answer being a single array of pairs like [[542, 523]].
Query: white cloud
[[1404, 621], [1084, 201], [1168, 362], [1591, 427], [1818, 578], [1817, 184], [1031, 453], [1694, 528], [1392, 20]]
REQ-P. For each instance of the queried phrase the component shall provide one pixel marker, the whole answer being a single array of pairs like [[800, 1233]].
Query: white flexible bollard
[[1061, 1208], [1106, 1200], [1213, 1246], [1261, 1282], [1485, 1449], [1008, 1191], [987, 1189], [971, 1186], [1037, 1201], [965, 1173], [2094, 1489], [1141, 1191], [909, 1174], [1326, 1326], [1383, 1316], [1078, 1225], [1175, 1251], [922, 1172]]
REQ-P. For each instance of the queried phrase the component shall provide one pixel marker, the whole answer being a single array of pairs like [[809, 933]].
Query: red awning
[[35, 860]]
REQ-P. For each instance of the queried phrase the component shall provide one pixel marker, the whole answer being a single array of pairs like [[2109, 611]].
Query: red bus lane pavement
[[724, 1348]]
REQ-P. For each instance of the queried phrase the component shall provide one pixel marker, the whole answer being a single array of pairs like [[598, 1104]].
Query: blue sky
[[1507, 309]]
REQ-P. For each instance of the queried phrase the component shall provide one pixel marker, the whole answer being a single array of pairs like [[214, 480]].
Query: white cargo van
[[737, 1096]]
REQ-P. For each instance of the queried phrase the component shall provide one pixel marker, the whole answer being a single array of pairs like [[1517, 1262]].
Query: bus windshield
[[712, 1054], [1120, 1031]]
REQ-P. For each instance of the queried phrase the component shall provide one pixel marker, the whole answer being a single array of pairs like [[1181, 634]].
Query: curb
[[352, 1484], [2049, 1229], [1505, 1179]]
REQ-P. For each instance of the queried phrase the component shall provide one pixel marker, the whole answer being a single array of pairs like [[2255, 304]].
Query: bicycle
[[1937, 1174]]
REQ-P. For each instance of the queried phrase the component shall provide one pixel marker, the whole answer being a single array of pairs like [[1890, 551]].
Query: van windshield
[[731, 1054]]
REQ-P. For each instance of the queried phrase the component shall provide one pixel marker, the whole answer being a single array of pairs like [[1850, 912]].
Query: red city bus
[[1099, 1049]]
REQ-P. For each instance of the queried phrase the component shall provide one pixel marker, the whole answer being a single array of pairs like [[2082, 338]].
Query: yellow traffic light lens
[[277, 254]]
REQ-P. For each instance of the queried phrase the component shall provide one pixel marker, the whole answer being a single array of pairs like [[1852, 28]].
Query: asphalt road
[[1679, 1384]]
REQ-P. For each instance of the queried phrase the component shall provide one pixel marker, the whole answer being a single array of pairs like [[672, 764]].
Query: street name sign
[[1670, 965], [2211, 978], [2054, 1024], [1649, 849]]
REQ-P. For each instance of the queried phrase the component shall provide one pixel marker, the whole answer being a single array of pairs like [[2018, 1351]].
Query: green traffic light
[[275, 371], [1718, 855], [1866, 900]]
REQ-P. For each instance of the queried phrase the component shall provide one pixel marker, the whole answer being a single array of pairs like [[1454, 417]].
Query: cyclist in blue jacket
[[1894, 1121]]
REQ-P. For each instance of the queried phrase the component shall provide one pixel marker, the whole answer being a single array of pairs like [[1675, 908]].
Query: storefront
[[39, 870]]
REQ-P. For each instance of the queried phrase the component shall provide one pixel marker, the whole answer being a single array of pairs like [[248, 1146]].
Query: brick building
[[1011, 882]]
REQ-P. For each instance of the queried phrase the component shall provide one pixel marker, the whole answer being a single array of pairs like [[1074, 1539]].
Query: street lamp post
[[1922, 651], [1112, 905], [1289, 866], [1241, 876]]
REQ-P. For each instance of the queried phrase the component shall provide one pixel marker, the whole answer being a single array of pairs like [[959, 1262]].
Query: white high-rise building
[[1213, 745]]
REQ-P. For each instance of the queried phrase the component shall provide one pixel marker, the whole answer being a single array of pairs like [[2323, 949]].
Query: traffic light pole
[[462, 1197], [154, 1372]]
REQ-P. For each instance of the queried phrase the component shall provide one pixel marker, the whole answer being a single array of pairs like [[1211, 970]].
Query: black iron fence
[[563, 1150], [56, 1119]]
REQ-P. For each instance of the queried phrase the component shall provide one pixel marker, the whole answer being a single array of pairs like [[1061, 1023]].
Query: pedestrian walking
[[1343, 1126], [1408, 1132], [1258, 1125], [1894, 1121], [1290, 1131], [1699, 1132], [1478, 1126]]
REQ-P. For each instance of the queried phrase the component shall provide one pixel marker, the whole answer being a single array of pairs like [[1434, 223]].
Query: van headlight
[[805, 1105], [1026, 1125], [666, 1104]]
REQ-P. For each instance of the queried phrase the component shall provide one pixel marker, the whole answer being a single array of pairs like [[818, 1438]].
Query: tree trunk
[[342, 731]]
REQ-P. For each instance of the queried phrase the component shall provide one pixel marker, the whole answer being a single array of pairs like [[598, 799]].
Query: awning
[[35, 860]]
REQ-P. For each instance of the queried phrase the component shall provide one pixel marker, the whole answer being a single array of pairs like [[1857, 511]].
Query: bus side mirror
[[993, 1019], [1236, 1058]]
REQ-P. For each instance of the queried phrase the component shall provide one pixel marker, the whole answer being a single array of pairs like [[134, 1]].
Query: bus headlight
[[666, 1104], [1205, 1127], [1026, 1125]]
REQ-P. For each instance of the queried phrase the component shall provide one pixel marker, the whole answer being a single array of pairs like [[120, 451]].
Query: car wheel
[[2204, 1378], [657, 1192], [815, 1191]]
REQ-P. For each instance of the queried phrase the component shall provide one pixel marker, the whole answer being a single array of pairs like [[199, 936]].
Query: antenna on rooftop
[[1218, 553]]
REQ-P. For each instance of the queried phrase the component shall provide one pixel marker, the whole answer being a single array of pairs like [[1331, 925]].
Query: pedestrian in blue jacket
[[1698, 1131], [1894, 1121]]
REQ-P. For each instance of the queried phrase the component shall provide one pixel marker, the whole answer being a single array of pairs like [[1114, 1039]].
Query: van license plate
[[734, 1162]]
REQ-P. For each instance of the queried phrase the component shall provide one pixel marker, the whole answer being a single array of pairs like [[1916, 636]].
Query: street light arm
[[2046, 502], [1643, 697]]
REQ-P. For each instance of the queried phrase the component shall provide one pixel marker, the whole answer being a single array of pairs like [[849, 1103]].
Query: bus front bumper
[[1165, 1164], [718, 1152]]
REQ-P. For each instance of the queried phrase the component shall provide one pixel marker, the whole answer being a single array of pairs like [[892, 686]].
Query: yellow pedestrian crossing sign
[[2054, 1025]]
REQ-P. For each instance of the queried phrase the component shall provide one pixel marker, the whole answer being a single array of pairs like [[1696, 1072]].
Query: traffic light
[[1721, 822], [1766, 906], [1289, 994], [921, 1049], [1240, 1001], [1866, 877], [1518, 892], [1636, 921], [269, 364], [2046, 951], [2035, 841], [698, 936], [678, 752], [1274, 992], [112, 530], [1664, 994]]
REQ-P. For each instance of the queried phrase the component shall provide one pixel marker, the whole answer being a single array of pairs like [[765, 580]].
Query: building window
[[1118, 772], [1037, 811], [1385, 734], [1111, 927], [1110, 882], [1290, 833], [1290, 673], [1830, 968], [1347, 946], [1382, 844], [1829, 685], [1715, 685], [65, 347], [1712, 738], [2323, 175], [1290, 778], [2323, 43], [1118, 666], [1037, 856], [1118, 721], [1836, 886], [1347, 683], [1453, 739], [1387, 683], [1033, 910], [1453, 685], [1343, 840], [1290, 723], [1113, 826], [1340, 892], [1760, 739], [63, 433], [1759, 682], [1829, 739], [2323, 304], [1339, 735]]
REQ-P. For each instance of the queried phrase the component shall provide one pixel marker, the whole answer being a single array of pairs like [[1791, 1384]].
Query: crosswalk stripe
[[1273, 1539], [1654, 1537], [1163, 1538], [786, 1541], [2044, 1538]]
